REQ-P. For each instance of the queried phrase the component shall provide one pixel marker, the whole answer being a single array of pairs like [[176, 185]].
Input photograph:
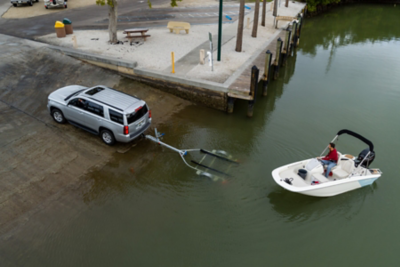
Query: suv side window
[[78, 102], [94, 108], [116, 117]]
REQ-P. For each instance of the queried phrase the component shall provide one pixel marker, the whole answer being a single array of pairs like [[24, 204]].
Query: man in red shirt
[[330, 160]]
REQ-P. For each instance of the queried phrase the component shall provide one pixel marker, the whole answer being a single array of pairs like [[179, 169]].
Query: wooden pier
[[279, 49]]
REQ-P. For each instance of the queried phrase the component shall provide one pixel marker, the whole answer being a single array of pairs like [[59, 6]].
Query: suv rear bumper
[[51, 5], [128, 138]]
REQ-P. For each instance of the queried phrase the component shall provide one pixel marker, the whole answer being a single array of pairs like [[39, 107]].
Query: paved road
[[131, 14]]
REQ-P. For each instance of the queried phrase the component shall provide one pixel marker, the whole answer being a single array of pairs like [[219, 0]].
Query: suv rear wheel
[[58, 116], [107, 137], [30, 3]]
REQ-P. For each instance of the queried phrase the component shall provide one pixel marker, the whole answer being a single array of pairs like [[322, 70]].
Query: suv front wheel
[[57, 115], [107, 137]]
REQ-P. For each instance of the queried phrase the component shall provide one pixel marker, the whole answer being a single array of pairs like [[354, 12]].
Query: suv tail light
[[150, 113], [126, 130]]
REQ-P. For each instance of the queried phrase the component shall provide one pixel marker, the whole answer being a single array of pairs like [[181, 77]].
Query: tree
[[264, 11], [239, 36], [113, 16], [255, 20]]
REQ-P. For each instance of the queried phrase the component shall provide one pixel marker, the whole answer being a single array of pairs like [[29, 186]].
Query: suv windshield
[[71, 95], [137, 115]]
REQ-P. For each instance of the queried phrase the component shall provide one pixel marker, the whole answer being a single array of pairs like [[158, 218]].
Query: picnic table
[[133, 33]]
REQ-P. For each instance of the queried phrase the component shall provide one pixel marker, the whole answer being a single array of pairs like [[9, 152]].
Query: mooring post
[[173, 62], [294, 40], [277, 57], [289, 44], [253, 90], [231, 103], [286, 46], [300, 18], [268, 58]]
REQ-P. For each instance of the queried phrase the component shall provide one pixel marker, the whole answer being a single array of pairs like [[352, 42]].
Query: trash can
[[68, 26], [60, 29], [302, 173]]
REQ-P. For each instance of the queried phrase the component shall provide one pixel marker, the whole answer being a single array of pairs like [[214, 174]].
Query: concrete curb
[[96, 58], [182, 80], [4, 8]]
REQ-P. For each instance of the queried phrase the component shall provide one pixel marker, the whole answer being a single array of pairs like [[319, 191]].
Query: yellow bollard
[[173, 62]]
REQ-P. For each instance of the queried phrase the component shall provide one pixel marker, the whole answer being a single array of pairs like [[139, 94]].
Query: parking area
[[39, 158]]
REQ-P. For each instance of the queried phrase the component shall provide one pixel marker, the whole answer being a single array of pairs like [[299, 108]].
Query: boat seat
[[338, 162], [320, 177], [345, 169]]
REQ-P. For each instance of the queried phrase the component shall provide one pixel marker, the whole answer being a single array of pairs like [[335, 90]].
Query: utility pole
[[219, 31]]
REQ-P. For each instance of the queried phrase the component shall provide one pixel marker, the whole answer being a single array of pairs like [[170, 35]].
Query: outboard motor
[[367, 160]]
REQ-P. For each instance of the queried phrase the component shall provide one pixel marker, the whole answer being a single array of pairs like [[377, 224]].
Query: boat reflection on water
[[296, 207]]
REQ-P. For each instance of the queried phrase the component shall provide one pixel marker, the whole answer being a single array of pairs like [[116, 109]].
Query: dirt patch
[[38, 9]]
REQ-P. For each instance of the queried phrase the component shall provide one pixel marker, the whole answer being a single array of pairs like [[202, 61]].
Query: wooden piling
[[277, 57], [253, 90], [300, 18], [286, 46], [231, 103], [294, 40], [268, 58]]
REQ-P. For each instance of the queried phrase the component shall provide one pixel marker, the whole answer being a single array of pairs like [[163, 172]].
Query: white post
[[74, 42], [211, 52], [202, 56]]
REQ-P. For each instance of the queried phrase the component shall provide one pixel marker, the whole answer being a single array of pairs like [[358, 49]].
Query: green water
[[344, 75]]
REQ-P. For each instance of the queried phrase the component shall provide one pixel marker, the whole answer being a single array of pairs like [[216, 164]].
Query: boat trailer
[[200, 166]]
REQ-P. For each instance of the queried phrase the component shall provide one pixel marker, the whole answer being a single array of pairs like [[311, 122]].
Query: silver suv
[[113, 115]]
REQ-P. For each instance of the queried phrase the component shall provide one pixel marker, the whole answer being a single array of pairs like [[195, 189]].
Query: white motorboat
[[307, 176]]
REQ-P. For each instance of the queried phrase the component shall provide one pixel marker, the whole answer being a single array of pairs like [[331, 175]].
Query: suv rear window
[[137, 115], [116, 117]]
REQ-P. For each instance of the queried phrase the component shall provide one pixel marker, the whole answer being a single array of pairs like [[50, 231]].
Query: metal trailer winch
[[201, 167]]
